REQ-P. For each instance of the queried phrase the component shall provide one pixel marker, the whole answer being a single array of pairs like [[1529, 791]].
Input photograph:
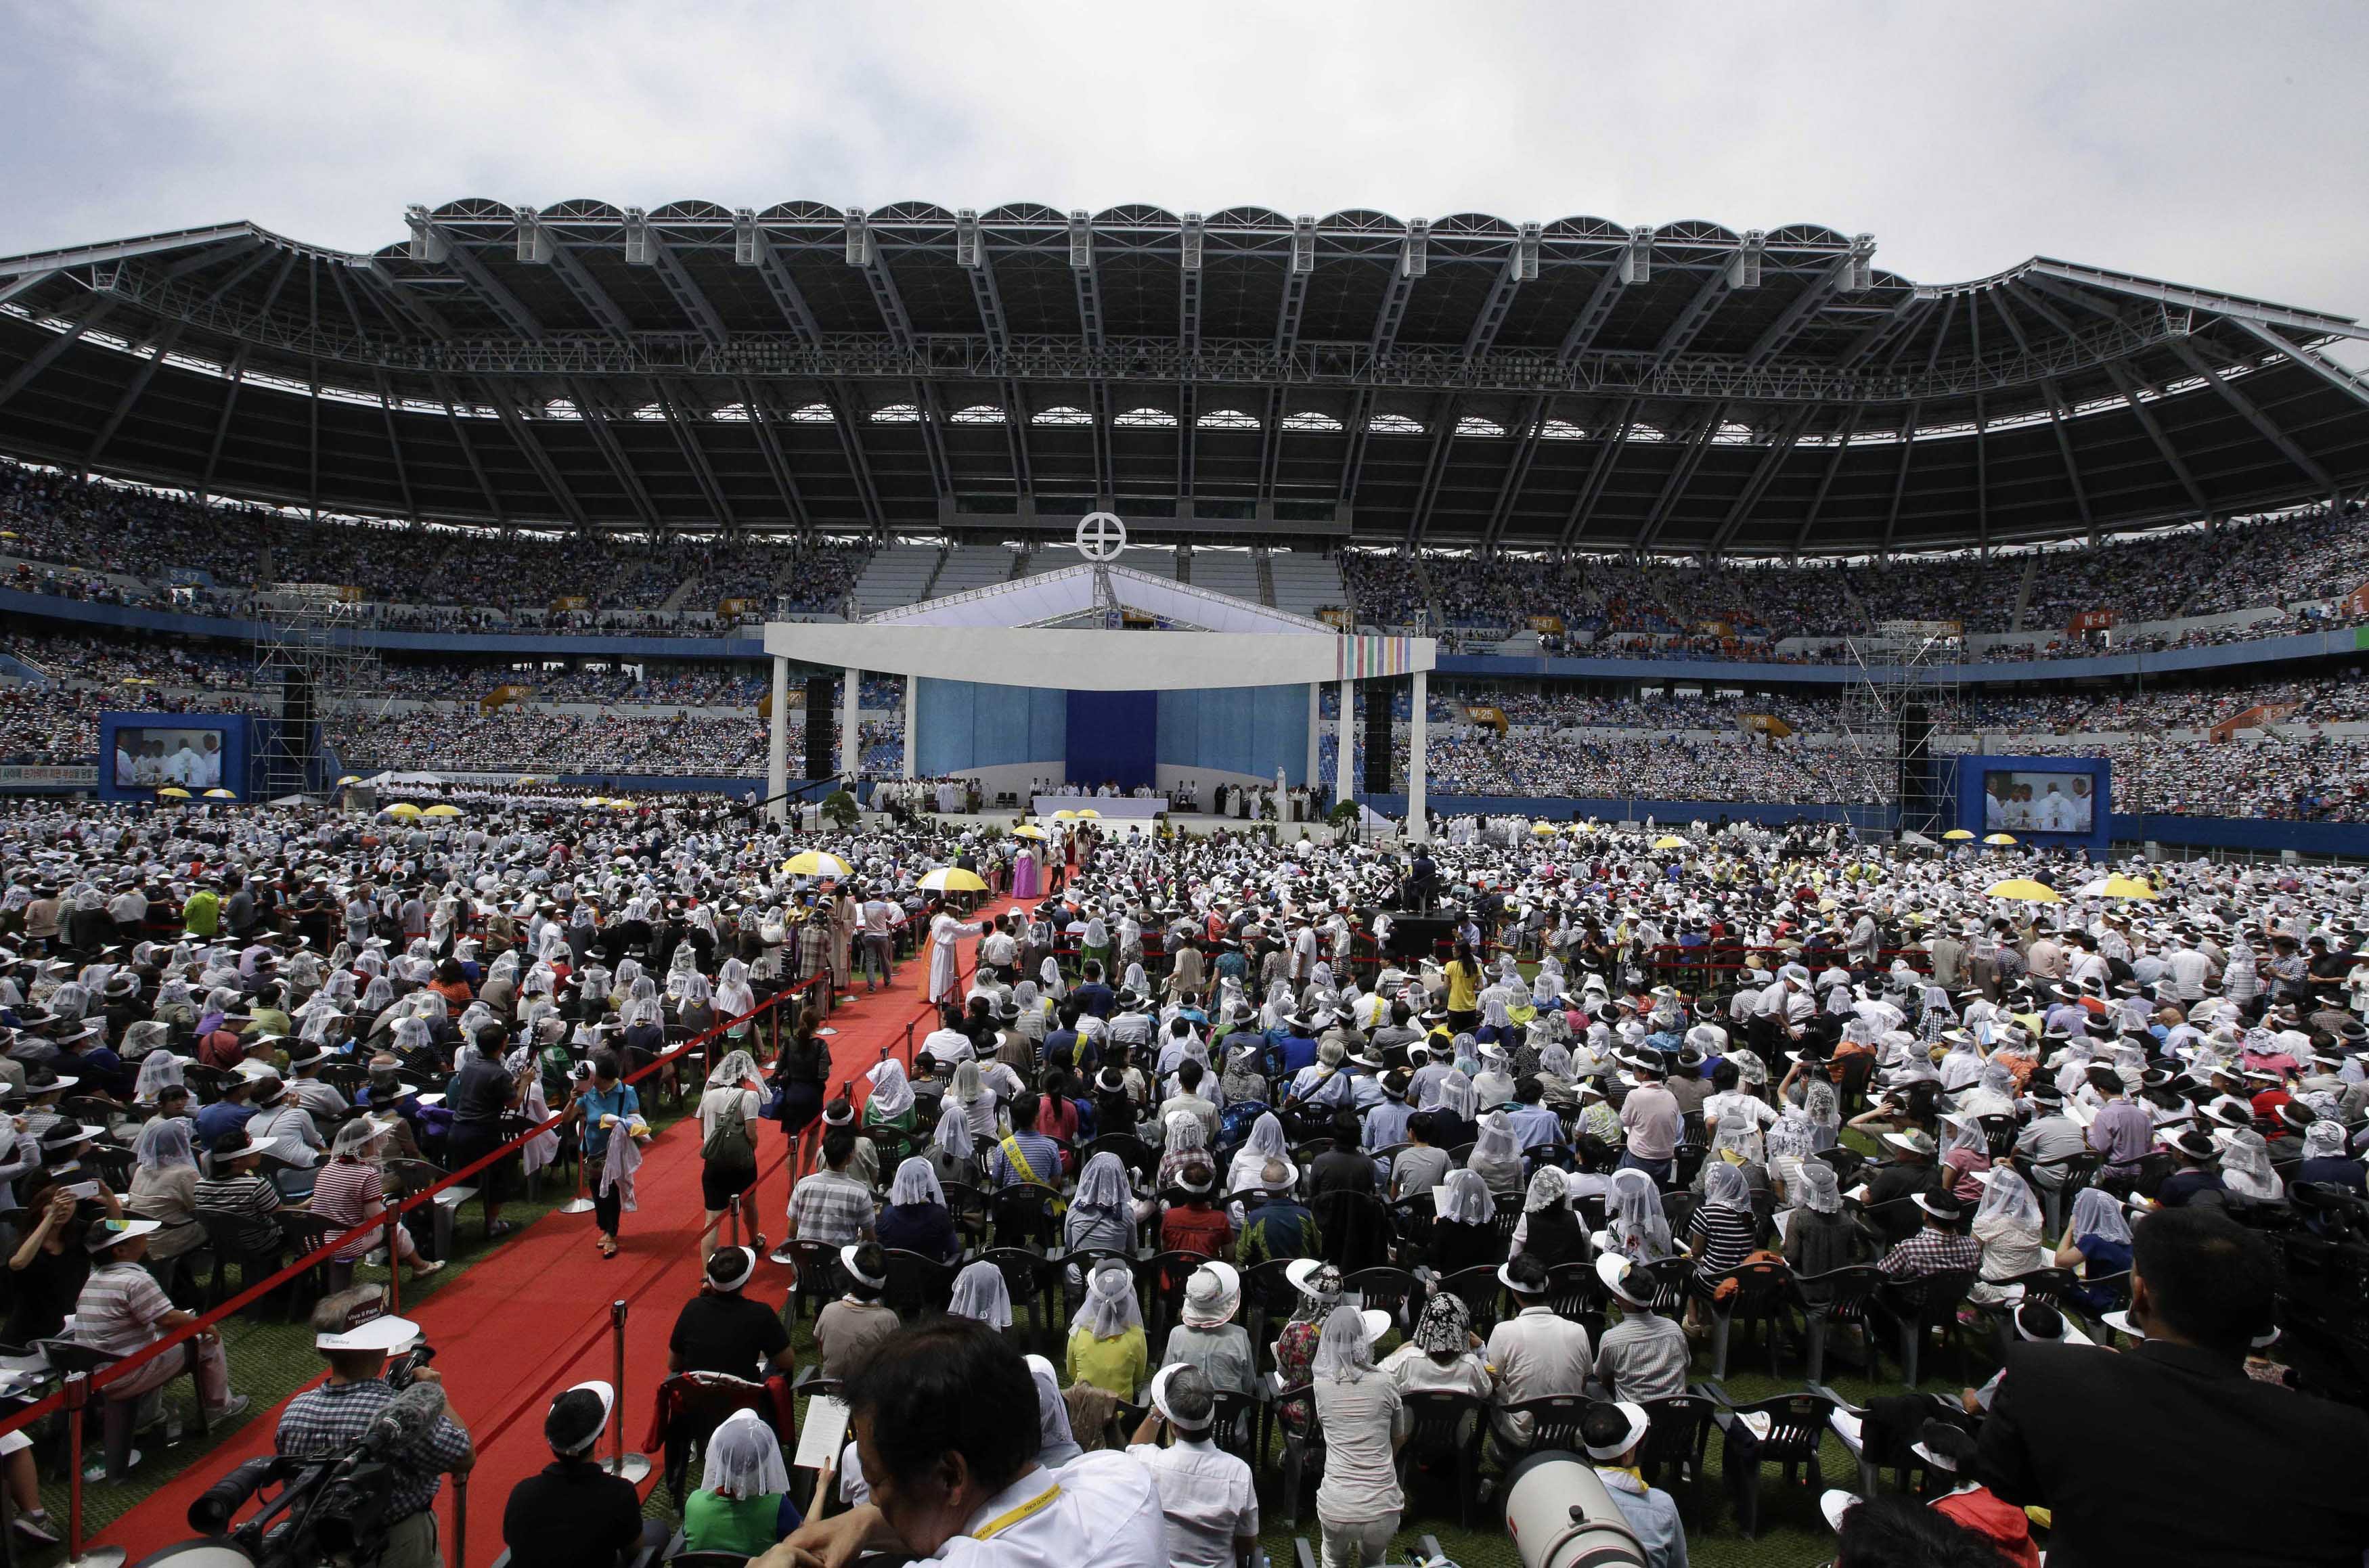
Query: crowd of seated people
[[79, 530], [1242, 1197]]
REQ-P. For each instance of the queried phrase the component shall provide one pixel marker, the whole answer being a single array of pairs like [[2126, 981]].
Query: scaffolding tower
[[309, 654], [1893, 715]]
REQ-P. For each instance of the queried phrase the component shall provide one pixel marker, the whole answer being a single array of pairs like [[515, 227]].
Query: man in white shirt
[[1535, 1353], [1205, 1491], [946, 1427]]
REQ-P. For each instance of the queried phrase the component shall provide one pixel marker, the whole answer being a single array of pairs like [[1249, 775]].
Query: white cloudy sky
[[2215, 145]]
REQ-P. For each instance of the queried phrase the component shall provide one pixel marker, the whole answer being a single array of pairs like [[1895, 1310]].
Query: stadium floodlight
[[1744, 266], [1303, 243], [1414, 252], [639, 251], [967, 250], [746, 252], [1637, 260], [1858, 275], [859, 238], [428, 240], [1082, 241], [1191, 253], [1526, 253], [534, 242]]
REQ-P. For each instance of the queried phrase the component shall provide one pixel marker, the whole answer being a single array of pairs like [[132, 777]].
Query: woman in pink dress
[[1026, 878]]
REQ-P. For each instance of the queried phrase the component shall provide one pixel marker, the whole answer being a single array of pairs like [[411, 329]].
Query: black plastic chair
[[1760, 1292], [1837, 1298], [1446, 1426], [820, 1280], [1021, 1215], [1392, 1291], [1033, 1283], [1677, 1446], [1480, 1291], [918, 1286], [1797, 1428], [1917, 1307], [1554, 1424]]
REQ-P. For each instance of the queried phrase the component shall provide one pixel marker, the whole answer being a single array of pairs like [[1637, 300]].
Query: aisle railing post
[[461, 1520], [634, 1467], [580, 1204], [393, 1261], [77, 1392]]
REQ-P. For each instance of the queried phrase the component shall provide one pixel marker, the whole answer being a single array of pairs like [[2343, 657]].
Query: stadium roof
[[1467, 380]]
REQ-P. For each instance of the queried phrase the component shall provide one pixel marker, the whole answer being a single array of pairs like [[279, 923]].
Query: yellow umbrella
[[2026, 890], [1090, 811], [1998, 838], [350, 778], [1669, 842], [591, 800], [1065, 816], [441, 808], [1544, 830], [1958, 835], [953, 879], [622, 804], [1027, 831], [222, 795], [403, 808], [174, 792], [2120, 886], [815, 863], [528, 779]]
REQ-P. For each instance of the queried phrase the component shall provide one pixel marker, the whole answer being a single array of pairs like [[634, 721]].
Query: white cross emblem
[[1101, 536]]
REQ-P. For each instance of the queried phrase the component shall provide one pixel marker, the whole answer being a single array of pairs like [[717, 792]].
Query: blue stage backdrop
[[1110, 737], [1252, 730], [962, 724], [2044, 800]]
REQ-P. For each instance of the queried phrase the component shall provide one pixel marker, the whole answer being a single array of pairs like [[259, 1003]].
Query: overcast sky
[[2220, 145]]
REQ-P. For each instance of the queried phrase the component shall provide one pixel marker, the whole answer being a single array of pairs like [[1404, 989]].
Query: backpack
[[729, 1147]]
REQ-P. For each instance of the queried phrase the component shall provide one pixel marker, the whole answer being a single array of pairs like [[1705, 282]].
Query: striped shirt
[[1726, 1236], [833, 1208], [249, 1202], [348, 1192], [119, 1309]]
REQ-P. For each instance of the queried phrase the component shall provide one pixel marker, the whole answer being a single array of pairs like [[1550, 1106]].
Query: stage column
[[777, 745], [1418, 831], [1346, 748], [912, 684], [1315, 743], [851, 731]]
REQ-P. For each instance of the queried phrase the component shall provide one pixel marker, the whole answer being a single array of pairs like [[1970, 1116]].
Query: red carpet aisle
[[534, 1318]]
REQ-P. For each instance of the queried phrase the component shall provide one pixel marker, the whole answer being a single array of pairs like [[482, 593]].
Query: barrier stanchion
[[634, 1467], [461, 1520], [77, 1392], [393, 1262], [580, 1204]]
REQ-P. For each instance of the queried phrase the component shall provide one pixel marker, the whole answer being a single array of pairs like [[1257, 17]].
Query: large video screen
[[2017, 802], [152, 757]]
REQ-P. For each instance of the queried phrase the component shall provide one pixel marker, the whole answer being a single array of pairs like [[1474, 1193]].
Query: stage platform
[[1288, 832]]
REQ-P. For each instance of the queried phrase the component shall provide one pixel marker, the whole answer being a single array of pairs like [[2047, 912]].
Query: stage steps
[[1260, 554]]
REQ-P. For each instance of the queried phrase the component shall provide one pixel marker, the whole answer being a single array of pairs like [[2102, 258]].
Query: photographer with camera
[[345, 1412]]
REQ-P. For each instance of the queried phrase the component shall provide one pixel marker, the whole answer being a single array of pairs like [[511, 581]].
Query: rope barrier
[[386, 1221]]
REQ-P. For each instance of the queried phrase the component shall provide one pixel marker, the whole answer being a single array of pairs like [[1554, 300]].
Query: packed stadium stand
[[1649, 488]]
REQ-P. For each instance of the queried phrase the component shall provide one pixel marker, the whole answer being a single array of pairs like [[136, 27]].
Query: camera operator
[[337, 1417]]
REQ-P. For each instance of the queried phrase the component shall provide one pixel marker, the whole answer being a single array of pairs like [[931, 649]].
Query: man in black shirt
[[719, 1329], [480, 1095], [574, 1514]]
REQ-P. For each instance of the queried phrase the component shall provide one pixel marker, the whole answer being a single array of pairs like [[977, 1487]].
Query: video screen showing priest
[[151, 758], [2039, 802]]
